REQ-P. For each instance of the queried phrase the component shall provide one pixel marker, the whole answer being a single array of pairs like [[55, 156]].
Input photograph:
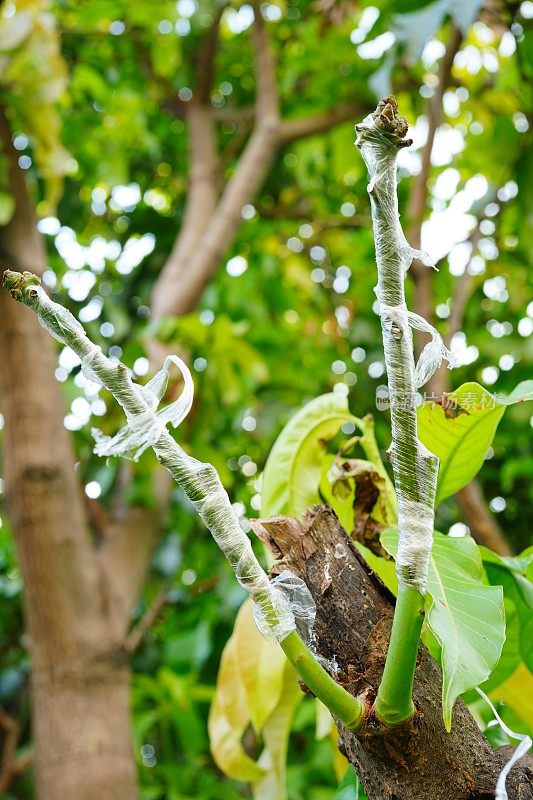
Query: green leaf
[[292, 471], [520, 394], [466, 617], [461, 434], [514, 575], [350, 788]]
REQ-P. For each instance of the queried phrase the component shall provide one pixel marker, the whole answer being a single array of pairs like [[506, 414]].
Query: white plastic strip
[[380, 136], [434, 351], [521, 750], [145, 428]]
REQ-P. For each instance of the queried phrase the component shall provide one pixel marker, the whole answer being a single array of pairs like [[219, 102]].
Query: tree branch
[[416, 209], [152, 613], [11, 765], [192, 262], [267, 100], [292, 129], [210, 227], [200, 482], [205, 69]]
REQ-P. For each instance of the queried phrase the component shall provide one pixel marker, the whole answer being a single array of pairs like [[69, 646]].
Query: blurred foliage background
[[95, 93]]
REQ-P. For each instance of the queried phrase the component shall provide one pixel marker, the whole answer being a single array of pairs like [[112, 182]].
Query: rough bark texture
[[80, 692], [82, 732], [419, 761]]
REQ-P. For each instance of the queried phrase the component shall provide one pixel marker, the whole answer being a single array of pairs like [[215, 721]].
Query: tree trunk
[[82, 732], [80, 693], [417, 761]]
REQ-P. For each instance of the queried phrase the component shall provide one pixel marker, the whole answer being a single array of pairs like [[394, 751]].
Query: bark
[[201, 202], [417, 761], [82, 731], [67, 619]]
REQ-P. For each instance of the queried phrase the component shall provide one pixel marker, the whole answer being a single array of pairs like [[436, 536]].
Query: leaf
[[275, 736], [325, 727], [228, 720], [466, 617], [461, 433], [520, 394], [7, 207], [517, 692], [343, 508], [292, 471], [13, 30], [350, 787], [513, 575], [261, 666], [255, 684]]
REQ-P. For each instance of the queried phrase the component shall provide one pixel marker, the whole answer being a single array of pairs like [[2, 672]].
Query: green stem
[[347, 708], [394, 703]]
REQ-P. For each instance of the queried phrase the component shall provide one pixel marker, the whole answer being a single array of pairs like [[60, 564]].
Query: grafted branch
[[146, 427], [380, 137]]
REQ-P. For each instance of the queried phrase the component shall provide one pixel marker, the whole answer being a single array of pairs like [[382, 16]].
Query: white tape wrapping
[[415, 469], [415, 520]]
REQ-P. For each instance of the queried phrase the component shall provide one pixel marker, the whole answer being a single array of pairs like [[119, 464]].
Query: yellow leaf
[[324, 720], [261, 667], [340, 763], [325, 726], [228, 720], [276, 739], [517, 692]]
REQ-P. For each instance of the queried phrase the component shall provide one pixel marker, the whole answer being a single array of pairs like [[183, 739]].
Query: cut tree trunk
[[417, 761]]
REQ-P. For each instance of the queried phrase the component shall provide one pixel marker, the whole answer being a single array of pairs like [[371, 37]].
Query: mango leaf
[[292, 471], [509, 659], [350, 788], [515, 575], [517, 692], [344, 509], [326, 728], [255, 685], [466, 617], [261, 666], [460, 431], [275, 736], [228, 720]]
